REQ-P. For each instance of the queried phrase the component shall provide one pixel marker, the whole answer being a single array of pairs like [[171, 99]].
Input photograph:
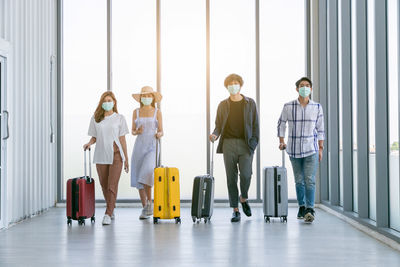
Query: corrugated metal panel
[[30, 27]]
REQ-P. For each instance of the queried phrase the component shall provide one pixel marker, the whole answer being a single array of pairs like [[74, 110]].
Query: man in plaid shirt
[[305, 144]]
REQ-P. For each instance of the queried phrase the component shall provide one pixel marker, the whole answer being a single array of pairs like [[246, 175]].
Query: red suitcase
[[80, 197]]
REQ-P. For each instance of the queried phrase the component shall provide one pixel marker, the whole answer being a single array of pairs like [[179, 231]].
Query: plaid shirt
[[306, 127]]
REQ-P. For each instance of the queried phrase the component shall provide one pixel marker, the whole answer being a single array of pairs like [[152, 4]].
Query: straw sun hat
[[148, 90]]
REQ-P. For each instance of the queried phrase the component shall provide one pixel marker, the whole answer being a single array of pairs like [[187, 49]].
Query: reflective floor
[[46, 240]]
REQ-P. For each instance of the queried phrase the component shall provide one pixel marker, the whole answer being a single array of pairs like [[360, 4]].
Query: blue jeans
[[304, 170]]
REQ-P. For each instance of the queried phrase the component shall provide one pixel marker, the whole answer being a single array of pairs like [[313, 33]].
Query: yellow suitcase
[[166, 194]]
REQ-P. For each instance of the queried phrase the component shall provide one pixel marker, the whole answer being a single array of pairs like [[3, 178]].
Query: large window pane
[[282, 61], [354, 103], [393, 115], [232, 39], [183, 72], [371, 108], [184, 90], [134, 64], [85, 77]]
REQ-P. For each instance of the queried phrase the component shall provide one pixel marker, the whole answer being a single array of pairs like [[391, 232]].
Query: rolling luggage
[[80, 197], [275, 192], [203, 194], [166, 191]]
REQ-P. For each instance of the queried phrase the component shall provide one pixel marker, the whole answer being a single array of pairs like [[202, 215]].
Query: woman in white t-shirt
[[108, 129]]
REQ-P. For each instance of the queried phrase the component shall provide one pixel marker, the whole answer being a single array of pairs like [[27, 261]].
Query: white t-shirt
[[107, 132]]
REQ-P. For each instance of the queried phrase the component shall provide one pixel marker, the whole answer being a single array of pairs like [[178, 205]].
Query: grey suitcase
[[203, 195], [275, 192], [202, 198]]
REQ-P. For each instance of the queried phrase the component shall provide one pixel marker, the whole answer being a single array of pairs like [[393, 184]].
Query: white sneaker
[[113, 216], [144, 215], [106, 219], [149, 208]]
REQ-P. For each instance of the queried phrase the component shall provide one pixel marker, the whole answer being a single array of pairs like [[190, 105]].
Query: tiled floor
[[46, 240]]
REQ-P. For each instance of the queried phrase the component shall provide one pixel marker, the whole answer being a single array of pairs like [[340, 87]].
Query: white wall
[[30, 27]]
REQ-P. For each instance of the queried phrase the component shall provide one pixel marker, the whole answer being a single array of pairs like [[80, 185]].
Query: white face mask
[[146, 100], [234, 89], [304, 91], [107, 106]]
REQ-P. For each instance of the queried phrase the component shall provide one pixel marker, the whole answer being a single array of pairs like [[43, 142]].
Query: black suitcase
[[203, 195]]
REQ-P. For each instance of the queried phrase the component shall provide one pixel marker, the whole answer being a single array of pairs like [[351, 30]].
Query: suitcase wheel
[[81, 221], [155, 220], [205, 220], [267, 219], [69, 222], [194, 219], [283, 219], [93, 219], [177, 220]]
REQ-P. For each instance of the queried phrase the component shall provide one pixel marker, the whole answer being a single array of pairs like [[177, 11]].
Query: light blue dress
[[143, 159]]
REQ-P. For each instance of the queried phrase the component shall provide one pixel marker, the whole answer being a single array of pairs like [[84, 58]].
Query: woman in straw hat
[[147, 126]]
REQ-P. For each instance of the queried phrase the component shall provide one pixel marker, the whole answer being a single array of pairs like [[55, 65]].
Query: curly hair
[[233, 77]]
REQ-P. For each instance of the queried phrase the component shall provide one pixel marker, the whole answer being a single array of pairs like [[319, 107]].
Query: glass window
[[183, 62], [134, 64], [393, 43], [232, 40], [282, 61], [371, 108], [340, 67], [183, 69], [85, 78], [354, 103]]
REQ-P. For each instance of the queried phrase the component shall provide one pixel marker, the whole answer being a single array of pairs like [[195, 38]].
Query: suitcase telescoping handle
[[212, 160], [158, 155], [283, 158], [90, 165]]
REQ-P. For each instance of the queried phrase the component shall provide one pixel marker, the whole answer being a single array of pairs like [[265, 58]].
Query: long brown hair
[[99, 113]]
